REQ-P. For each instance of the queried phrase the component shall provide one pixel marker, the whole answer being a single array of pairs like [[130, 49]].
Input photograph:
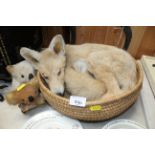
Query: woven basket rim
[[101, 100]]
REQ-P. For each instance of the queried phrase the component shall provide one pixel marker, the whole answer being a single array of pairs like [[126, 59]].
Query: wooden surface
[[48, 32], [147, 45], [137, 35], [111, 35], [143, 41]]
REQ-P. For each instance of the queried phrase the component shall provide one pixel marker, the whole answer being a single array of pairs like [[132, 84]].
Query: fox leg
[[104, 74]]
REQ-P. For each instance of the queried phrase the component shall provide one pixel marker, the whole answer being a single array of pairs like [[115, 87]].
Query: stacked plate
[[52, 120], [123, 124]]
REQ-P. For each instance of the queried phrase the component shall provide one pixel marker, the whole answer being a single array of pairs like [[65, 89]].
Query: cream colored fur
[[111, 65], [91, 70], [82, 84]]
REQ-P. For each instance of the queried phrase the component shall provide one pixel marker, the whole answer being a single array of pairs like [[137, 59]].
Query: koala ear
[[31, 56], [57, 45], [10, 69]]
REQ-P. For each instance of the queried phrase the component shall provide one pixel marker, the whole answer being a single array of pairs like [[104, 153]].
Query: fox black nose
[[31, 98], [60, 94], [30, 76]]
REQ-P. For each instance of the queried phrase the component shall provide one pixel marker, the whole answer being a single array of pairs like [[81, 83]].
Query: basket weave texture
[[103, 108]]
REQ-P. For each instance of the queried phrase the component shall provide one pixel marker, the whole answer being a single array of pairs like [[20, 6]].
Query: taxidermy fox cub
[[89, 70]]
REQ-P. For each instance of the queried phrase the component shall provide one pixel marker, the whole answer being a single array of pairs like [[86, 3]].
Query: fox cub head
[[50, 63]]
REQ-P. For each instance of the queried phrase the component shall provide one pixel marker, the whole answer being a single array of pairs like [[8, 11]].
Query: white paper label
[[77, 101]]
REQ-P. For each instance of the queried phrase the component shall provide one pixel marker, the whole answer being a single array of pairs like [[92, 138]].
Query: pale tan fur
[[113, 68], [82, 84], [50, 63], [111, 65]]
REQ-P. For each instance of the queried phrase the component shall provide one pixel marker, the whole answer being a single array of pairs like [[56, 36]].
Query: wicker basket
[[95, 110]]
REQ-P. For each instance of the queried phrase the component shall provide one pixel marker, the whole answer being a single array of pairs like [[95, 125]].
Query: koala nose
[[30, 76], [31, 98]]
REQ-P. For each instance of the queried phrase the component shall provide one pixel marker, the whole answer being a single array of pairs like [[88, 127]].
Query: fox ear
[[57, 45], [10, 69], [31, 56]]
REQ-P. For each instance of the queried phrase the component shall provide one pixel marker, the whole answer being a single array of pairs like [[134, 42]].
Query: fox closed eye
[[44, 76], [59, 72]]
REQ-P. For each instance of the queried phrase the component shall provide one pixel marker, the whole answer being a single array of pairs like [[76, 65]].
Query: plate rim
[[47, 113], [127, 121]]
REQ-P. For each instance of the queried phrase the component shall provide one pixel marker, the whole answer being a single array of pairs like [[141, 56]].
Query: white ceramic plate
[[123, 124], [52, 120]]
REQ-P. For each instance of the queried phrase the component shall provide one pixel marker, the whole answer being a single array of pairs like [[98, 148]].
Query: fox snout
[[57, 90]]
